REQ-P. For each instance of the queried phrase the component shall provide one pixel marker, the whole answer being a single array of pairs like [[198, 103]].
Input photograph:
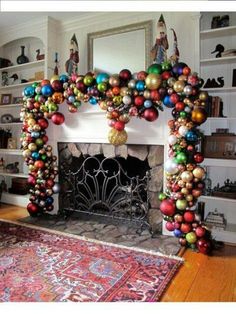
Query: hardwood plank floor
[[201, 278]]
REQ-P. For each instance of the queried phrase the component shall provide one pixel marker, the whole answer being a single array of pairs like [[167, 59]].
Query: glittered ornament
[[116, 137]]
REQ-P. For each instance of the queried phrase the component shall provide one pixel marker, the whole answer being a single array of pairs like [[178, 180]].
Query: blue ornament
[[35, 134], [71, 99], [102, 77], [93, 101], [49, 201], [63, 78], [191, 136], [35, 155], [29, 91], [177, 233], [167, 102], [47, 90], [147, 103], [140, 85]]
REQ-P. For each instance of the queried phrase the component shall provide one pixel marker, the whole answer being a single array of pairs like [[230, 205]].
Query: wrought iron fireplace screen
[[103, 188]]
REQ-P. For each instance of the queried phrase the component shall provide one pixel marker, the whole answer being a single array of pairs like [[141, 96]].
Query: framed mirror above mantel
[[114, 49]]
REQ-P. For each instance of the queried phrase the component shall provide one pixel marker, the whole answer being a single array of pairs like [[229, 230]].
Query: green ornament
[[166, 66], [39, 142], [181, 204], [44, 108], [155, 68], [88, 80], [183, 114], [102, 87], [35, 84], [162, 196], [77, 104], [181, 158], [44, 157], [177, 148], [37, 97], [52, 107], [191, 237]]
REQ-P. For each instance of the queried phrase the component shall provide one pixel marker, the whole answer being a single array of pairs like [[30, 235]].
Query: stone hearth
[[111, 233]]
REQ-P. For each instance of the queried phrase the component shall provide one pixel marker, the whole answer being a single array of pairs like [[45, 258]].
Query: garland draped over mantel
[[123, 96]]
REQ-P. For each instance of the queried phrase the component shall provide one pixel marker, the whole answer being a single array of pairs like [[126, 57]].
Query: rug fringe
[[27, 225]]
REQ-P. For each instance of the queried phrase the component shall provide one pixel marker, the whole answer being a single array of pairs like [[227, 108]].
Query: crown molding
[[95, 18]]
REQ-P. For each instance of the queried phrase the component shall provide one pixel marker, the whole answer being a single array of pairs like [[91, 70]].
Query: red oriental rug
[[37, 264]]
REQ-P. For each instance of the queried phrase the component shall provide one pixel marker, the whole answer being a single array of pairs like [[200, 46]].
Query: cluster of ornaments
[[123, 96]]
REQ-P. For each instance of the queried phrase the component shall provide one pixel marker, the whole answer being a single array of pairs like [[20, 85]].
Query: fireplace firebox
[[107, 186]]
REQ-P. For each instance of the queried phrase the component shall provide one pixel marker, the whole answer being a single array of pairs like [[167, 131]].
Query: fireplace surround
[[112, 184]]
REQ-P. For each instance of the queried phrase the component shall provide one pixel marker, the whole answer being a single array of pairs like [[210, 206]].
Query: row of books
[[214, 107]]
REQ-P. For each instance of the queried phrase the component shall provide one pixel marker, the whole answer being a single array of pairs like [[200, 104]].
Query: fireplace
[[112, 184]]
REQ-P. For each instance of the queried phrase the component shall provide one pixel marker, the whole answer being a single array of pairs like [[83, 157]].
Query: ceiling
[[8, 19]]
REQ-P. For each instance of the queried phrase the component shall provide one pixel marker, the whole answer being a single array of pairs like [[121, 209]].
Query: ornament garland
[[123, 96]]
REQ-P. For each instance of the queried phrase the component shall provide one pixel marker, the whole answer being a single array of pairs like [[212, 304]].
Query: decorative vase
[[22, 58]]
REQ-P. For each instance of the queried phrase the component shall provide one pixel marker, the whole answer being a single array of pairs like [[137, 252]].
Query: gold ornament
[[103, 105], [179, 86], [187, 176], [199, 172], [117, 137], [124, 118], [199, 115], [124, 91], [147, 94], [114, 80], [153, 81], [203, 96]]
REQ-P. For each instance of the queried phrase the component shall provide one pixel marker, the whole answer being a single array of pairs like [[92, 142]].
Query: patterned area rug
[[37, 264]]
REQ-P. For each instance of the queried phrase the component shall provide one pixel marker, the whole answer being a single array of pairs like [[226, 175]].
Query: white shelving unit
[[24, 71], [211, 67]]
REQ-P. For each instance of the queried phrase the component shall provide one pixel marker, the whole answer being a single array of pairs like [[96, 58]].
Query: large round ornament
[[167, 207], [199, 115], [171, 167], [181, 204], [117, 137], [150, 114], [181, 158], [198, 172], [191, 237], [187, 176], [179, 86], [155, 68], [58, 118], [153, 81], [204, 246]]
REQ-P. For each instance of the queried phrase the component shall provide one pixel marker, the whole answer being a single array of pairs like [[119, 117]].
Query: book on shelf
[[214, 107]]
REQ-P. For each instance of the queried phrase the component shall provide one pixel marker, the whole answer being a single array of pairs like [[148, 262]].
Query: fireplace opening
[[108, 187]]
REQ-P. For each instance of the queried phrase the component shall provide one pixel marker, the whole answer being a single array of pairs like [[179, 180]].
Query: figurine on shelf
[[13, 168], [175, 56], [5, 80], [219, 48], [22, 58], [39, 56], [56, 70], [158, 52], [2, 164], [72, 63]]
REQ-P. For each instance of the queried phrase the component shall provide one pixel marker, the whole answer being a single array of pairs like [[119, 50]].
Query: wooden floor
[[201, 278]]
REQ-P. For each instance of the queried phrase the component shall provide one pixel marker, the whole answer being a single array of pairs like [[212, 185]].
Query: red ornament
[[150, 114], [31, 180], [200, 232], [186, 71], [141, 75], [179, 106], [167, 207], [166, 75], [45, 82], [185, 227], [49, 183], [155, 95], [125, 75], [170, 226], [32, 208], [119, 125], [204, 246], [196, 193], [43, 123], [139, 101], [81, 86], [57, 85], [198, 158], [39, 164], [58, 118], [174, 98], [175, 187], [45, 139], [189, 216]]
